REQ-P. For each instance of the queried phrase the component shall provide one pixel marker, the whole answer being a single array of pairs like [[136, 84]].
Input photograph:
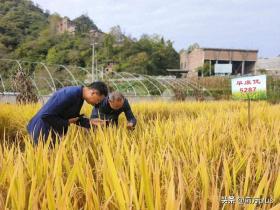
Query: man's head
[[95, 92], [116, 100]]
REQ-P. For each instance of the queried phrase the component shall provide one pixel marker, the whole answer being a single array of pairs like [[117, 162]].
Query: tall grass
[[181, 156]]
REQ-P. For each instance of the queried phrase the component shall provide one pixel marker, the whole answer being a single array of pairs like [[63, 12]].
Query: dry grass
[[181, 156]]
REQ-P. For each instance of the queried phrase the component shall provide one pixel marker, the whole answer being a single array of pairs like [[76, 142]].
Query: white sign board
[[249, 87], [223, 68]]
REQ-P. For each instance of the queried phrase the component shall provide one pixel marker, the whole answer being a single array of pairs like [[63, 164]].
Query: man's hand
[[73, 120], [98, 121], [130, 126]]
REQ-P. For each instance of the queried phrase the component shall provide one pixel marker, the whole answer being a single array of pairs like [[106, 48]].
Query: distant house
[[66, 26], [240, 61]]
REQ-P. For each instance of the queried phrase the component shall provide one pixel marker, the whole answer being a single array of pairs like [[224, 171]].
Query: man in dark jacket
[[63, 108], [109, 109]]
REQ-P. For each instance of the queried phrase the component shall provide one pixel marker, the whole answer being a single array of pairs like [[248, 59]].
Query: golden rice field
[[180, 156]]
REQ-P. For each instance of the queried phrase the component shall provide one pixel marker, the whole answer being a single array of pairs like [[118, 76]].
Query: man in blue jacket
[[63, 108], [109, 109]]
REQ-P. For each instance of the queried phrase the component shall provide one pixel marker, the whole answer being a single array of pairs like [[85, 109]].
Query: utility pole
[[92, 66], [96, 70]]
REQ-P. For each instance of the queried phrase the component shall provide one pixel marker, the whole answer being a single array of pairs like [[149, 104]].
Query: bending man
[[63, 108], [108, 111]]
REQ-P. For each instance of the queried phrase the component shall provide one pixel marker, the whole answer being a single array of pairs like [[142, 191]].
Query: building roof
[[229, 49]]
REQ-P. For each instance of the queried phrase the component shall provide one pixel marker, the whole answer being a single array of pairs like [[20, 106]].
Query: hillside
[[27, 32]]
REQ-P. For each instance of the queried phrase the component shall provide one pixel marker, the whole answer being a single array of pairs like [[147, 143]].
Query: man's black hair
[[100, 86]]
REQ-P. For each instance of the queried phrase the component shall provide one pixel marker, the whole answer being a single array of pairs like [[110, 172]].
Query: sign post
[[249, 88]]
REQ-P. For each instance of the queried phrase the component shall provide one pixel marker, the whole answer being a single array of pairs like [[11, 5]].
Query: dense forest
[[29, 33]]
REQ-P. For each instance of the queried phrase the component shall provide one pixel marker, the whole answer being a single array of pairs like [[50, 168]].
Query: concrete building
[[241, 61], [65, 25]]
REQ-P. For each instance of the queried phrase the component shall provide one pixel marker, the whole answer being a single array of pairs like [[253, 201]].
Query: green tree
[[84, 24]]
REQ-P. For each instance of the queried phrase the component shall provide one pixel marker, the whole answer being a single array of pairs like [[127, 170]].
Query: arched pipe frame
[[155, 83]]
